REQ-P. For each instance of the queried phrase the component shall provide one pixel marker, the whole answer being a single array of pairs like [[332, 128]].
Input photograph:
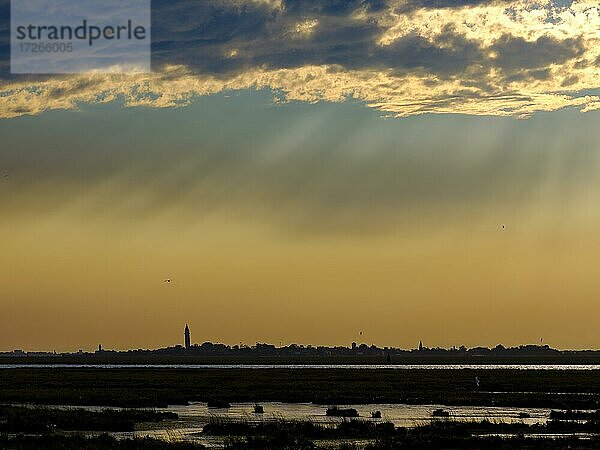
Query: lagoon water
[[313, 366], [193, 417]]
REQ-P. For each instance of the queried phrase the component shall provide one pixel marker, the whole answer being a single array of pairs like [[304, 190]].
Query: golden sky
[[70, 285], [303, 171], [336, 223]]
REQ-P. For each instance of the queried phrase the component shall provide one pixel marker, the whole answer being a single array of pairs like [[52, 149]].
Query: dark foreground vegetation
[[479, 435], [558, 389], [45, 428], [576, 415], [23, 427], [384, 436], [350, 429], [348, 435], [76, 442], [42, 420], [360, 429]]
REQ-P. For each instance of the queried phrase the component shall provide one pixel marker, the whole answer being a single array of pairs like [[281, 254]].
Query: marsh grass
[[44, 419], [78, 442], [575, 415], [156, 387], [347, 435], [442, 434], [309, 429]]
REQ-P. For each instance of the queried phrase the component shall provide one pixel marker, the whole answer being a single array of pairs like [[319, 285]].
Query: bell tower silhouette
[[186, 335]]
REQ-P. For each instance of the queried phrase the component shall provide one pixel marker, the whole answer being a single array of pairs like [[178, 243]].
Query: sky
[[303, 171]]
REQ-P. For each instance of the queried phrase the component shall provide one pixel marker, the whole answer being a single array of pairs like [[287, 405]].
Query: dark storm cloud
[[402, 57], [517, 53], [200, 35], [449, 54], [4, 38], [262, 35], [209, 21], [331, 7], [411, 5], [225, 37]]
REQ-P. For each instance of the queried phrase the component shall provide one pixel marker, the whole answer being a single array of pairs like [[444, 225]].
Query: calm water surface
[[193, 417], [312, 366]]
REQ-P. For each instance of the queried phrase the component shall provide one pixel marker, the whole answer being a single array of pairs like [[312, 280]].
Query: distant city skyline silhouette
[[188, 348]]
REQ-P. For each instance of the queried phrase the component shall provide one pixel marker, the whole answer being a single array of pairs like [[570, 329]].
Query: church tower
[[186, 335]]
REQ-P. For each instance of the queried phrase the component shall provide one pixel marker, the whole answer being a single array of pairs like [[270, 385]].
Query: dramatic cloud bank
[[403, 57]]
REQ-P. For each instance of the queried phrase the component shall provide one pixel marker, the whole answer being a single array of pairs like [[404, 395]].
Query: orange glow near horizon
[[72, 286]]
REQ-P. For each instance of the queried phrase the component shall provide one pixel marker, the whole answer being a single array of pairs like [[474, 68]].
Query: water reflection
[[313, 366], [193, 417]]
